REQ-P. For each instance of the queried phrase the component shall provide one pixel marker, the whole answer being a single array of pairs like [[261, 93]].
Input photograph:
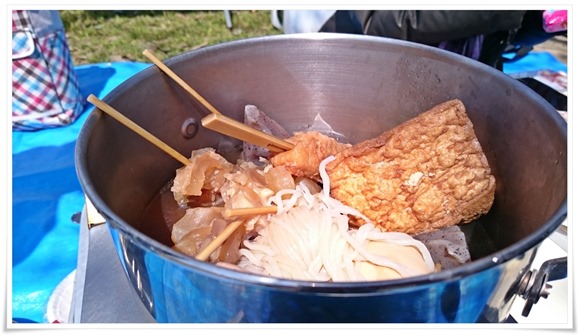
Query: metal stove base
[[102, 292]]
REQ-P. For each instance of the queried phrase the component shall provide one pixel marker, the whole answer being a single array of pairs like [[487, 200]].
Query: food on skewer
[[310, 148], [199, 181], [345, 213], [309, 238]]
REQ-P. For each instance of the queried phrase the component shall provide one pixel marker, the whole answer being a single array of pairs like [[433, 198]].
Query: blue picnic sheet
[[533, 61], [46, 193]]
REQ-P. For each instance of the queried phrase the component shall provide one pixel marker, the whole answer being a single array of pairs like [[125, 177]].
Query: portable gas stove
[[102, 292]]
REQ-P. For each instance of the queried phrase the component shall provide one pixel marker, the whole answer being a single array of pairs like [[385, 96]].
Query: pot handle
[[535, 283]]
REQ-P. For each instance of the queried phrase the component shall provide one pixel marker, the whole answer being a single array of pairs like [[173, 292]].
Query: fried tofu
[[428, 173], [310, 148]]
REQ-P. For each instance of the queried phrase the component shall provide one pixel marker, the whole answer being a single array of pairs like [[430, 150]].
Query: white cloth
[[305, 21]]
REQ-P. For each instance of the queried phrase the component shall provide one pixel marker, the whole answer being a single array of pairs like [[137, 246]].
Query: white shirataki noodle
[[309, 239]]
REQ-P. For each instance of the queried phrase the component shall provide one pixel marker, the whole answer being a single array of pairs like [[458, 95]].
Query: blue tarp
[[46, 193], [534, 61]]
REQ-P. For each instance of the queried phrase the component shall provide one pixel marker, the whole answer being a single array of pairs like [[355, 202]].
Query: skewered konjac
[[344, 212]]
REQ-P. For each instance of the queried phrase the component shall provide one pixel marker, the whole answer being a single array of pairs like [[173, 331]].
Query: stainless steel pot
[[361, 86]]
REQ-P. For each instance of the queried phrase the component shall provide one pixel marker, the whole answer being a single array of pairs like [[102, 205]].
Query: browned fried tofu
[[310, 148], [428, 173]]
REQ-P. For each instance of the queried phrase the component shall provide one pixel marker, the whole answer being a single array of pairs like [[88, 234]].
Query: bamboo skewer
[[248, 212], [233, 226], [243, 132], [218, 122], [220, 239], [137, 129], [228, 213], [180, 81]]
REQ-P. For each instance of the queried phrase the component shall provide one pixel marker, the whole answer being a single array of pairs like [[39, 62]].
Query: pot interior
[[361, 86]]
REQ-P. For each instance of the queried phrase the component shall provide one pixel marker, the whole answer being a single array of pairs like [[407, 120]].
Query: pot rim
[[114, 222]]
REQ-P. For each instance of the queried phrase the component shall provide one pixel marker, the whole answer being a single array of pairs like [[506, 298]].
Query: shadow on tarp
[[46, 194], [93, 79], [99, 79], [40, 177]]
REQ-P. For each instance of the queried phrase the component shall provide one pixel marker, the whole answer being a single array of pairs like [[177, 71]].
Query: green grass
[[113, 36]]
